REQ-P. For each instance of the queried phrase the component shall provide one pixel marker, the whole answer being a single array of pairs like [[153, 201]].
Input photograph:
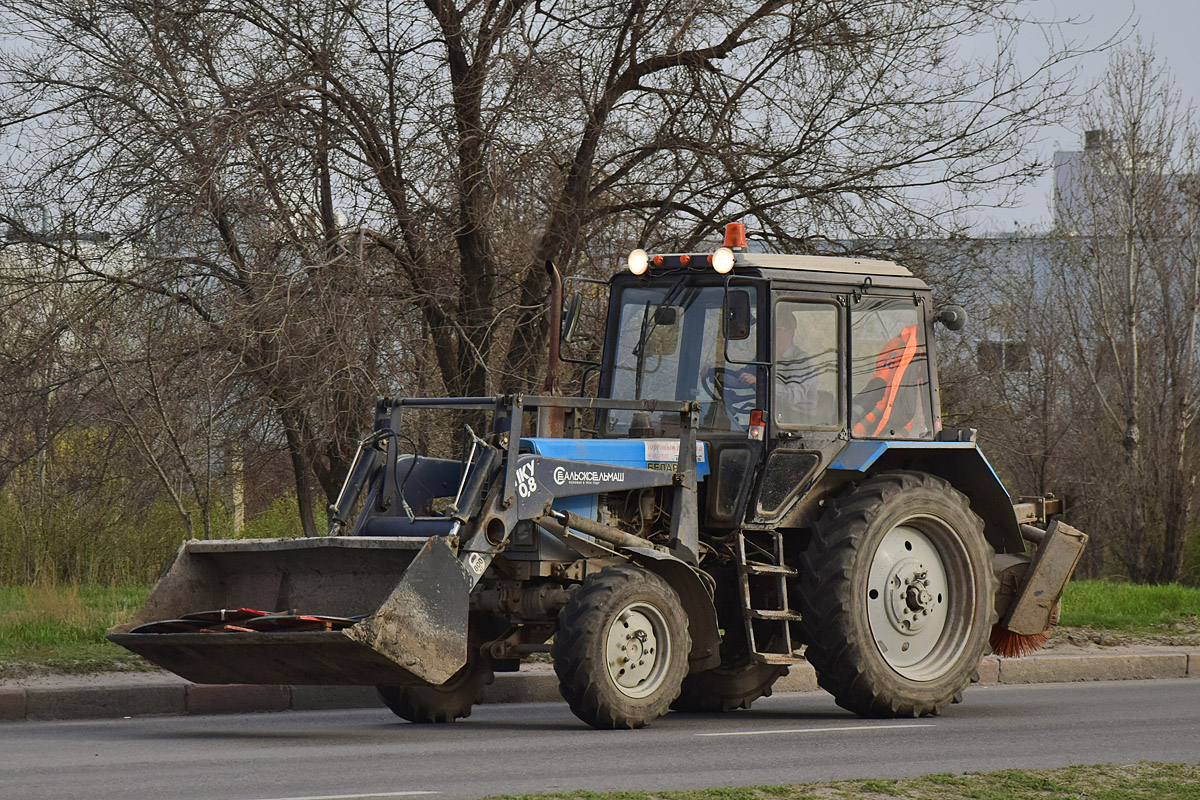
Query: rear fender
[[961, 464], [695, 599]]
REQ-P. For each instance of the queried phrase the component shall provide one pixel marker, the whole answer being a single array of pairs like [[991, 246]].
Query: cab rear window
[[889, 377]]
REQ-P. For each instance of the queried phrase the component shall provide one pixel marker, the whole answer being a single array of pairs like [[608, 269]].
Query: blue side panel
[[641, 453]]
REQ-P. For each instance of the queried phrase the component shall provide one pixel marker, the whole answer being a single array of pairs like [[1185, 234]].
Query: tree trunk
[[1177, 515], [301, 471]]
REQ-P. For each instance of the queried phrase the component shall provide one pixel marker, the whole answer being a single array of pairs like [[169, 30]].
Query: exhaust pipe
[[551, 422], [550, 386]]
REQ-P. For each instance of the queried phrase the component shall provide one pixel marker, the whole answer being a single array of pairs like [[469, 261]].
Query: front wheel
[[897, 596], [621, 650]]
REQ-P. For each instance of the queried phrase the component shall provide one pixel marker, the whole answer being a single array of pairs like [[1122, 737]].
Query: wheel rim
[[920, 598], [637, 649]]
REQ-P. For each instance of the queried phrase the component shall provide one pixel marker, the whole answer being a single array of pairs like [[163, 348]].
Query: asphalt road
[[538, 747]]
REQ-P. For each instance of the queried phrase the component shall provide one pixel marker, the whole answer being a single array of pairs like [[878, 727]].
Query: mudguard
[[696, 601], [962, 464]]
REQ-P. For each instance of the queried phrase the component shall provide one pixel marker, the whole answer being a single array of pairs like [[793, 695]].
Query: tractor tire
[[621, 650], [445, 703], [727, 687], [897, 595]]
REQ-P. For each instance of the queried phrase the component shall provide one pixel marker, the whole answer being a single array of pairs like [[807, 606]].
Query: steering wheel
[[713, 382]]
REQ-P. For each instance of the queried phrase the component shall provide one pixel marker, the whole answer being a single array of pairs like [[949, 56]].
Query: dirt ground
[[1093, 640]]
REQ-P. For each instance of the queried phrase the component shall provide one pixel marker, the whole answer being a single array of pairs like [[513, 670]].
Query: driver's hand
[[747, 378]]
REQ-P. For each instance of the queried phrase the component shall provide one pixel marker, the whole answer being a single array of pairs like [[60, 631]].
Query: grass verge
[[60, 629], [1117, 614], [1127, 606], [1150, 780]]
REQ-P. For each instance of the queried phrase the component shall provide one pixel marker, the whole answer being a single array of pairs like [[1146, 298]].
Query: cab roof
[[842, 265], [836, 265]]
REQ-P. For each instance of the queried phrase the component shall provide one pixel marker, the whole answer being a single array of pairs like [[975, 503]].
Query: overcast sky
[[1171, 26]]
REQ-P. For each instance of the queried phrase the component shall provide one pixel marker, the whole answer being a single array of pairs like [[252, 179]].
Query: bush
[[280, 520], [95, 542]]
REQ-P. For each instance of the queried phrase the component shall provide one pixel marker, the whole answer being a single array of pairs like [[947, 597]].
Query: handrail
[[545, 401]]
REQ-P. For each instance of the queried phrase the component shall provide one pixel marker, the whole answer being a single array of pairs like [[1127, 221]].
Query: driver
[[795, 384]]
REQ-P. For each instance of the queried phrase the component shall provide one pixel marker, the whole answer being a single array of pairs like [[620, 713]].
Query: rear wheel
[[729, 686], [897, 596], [445, 703], [738, 680], [621, 649]]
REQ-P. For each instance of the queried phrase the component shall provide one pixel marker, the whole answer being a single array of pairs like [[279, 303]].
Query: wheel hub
[[909, 596], [635, 646], [637, 649], [911, 603]]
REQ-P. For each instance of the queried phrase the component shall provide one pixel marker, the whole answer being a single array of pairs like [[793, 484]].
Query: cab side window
[[889, 379], [805, 348]]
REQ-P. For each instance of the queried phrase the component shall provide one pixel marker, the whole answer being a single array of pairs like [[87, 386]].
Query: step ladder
[[767, 607]]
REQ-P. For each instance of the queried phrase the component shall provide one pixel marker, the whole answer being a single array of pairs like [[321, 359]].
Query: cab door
[[807, 397]]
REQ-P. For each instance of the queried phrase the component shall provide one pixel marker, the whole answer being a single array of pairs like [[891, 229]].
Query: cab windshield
[[671, 346]]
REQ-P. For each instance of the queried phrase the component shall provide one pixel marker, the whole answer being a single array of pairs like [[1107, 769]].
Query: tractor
[[761, 478]]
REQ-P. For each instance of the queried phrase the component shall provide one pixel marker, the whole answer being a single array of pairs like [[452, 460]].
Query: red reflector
[[658, 261], [757, 426], [685, 259]]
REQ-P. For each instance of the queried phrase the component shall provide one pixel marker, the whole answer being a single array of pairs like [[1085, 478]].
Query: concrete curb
[[163, 695]]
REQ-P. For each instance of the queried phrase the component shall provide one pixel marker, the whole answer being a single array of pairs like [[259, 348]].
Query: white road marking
[[351, 796], [824, 730]]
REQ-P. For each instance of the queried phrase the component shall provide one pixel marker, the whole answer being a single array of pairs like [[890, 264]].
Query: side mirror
[[663, 338], [571, 317], [737, 314], [953, 317], [666, 315]]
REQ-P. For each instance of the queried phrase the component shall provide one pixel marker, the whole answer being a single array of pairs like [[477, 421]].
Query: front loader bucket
[[330, 610]]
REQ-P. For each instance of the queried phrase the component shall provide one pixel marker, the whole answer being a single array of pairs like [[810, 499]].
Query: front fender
[[696, 601]]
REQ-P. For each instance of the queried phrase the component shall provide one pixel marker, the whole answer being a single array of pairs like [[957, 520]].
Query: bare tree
[[1127, 267], [340, 197]]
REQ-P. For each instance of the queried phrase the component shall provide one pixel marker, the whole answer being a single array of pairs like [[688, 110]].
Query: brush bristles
[[1007, 644]]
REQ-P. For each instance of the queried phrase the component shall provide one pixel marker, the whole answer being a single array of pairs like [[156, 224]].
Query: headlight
[[722, 260], [639, 261]]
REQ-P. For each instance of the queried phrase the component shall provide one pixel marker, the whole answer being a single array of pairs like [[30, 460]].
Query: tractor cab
[[789, 358]]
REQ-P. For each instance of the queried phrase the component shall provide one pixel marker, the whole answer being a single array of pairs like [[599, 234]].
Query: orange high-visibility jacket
[[894, 362]]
